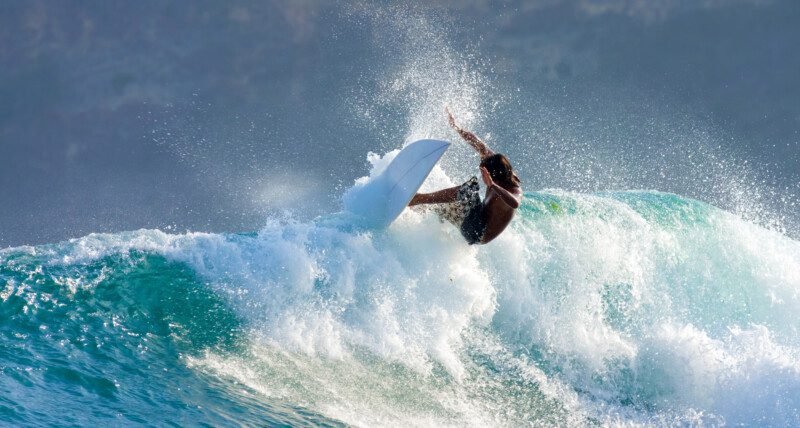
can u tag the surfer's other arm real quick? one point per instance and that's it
(511, 198)
(469, 137)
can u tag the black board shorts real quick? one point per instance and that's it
(466, 212)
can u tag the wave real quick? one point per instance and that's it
(618, 307)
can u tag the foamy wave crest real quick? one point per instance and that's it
(631, 307)
(654, 301)
(406, 294)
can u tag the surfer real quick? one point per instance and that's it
(479, 221)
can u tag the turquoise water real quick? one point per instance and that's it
(609, 308)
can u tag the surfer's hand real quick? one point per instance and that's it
(451, 120)
(469, 137)
(487, 178)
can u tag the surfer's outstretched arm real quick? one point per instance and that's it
(441, 197)
(469, 137)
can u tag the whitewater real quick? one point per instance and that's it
(608, 308)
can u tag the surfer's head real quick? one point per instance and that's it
(500, 169)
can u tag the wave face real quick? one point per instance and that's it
(610, 308)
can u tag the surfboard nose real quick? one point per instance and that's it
(381, 199)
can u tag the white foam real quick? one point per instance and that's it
(631, 309)
(686, 314)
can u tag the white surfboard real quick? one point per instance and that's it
(381, 200)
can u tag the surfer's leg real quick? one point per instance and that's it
(439, 197)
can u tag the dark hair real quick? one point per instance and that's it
(500, 169)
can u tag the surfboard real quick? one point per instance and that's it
(382, 199)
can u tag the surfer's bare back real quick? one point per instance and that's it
(479, 221)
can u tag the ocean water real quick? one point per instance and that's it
(613, 308)
(601, 305)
